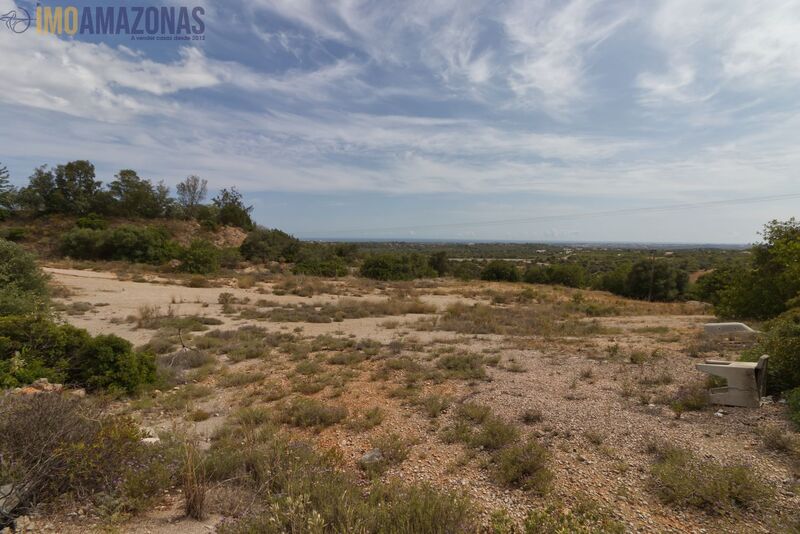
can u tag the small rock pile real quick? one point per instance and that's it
(43, 385)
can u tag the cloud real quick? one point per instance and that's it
(715, 47)
(550, 48)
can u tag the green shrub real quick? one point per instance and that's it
(396, 267)
(682, 479)
(302, 490)
(524, 466)
(584, 518)
(500, 271)
(781, 342)
(464, 366)
(263, 245)
(92, 222)
(19, 276)
(305, 412)
(124, 243)
(465, 270)
(494, 434)
(14, 234)
(332, 266)
(201, 257)
(82, 243)
(109, 362)
(793, 401)
(35, 347)
(230, 257)
(138, 244)
(565, 274)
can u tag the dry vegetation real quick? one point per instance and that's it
(349, 405)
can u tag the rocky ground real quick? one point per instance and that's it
(598, 398)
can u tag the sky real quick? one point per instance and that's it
(437, 119)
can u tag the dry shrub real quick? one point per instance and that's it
(682, 479)
(53, 444)
(194, 482)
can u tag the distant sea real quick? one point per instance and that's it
(577, 244)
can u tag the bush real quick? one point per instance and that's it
(781, 342)
(138, 244)
(494, 434)
(396, 267)
(682, 479)
(35, 347)
(302, 490)
(318, 261)
(201, 257)
(584, 518)
(263, 245)
(305, 412)
(109, 362)
(82, 243)
(14, 234)
(465, 270)
(565, 274)
(464, 366)
(124, 243)
(524, 466)
(500, 271)
(230, 257)
(53, 444)
(18, 270)
(92, 222)
(793, 401)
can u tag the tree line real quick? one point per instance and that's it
(74, 189)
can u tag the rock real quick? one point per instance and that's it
(151, 440)
(43, 384)
(370, 458)
(80, 393)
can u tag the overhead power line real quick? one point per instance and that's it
(569, 216)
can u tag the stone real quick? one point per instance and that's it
(370, 458)
(151, 440)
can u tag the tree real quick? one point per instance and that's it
(232, 210)
(653, 279)
(191, 193)
(771, 285)
(6, 193)
(135, 196)
(78, 189)
(438, 262)
(41, 195)
(500, 271)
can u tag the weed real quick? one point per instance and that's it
(524, 466)
(305, 412)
